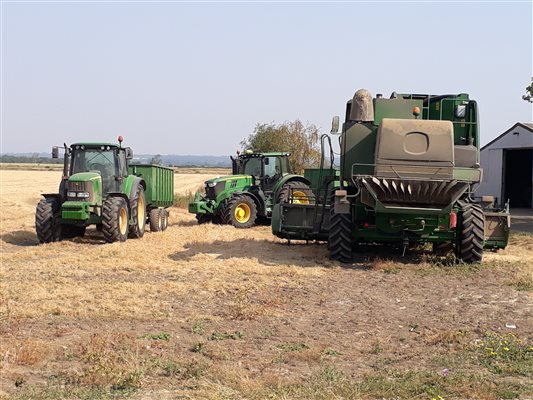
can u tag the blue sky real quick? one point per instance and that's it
(195, 78)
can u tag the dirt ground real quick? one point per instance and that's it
(213, 312)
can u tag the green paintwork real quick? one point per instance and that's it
(218, 190)
(159, 181)
(373, 220)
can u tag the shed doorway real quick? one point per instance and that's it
(518, 176)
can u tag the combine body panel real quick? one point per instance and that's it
(100, 188)
(409, 167)
(259, 180)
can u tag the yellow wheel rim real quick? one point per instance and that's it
(300, 197)
(141, 216)
(242, 213)
(123, 220)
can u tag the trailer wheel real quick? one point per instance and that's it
(115, 219)
(340, 236)
(470, 233)
(164, 219)
(240, 211)
(155, 220)
(138, 214)
(46, 221)
(296, 192)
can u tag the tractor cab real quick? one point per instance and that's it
(85, 161)
(268, 168)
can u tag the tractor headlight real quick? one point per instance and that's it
(71, 194)
(83, 195)
(211, 184)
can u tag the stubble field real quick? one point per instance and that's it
(213, 312)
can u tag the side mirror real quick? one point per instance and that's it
(335, 124)
(267, 161)
(55, 152)
(129, 153)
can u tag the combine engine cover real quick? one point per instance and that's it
(414, 166)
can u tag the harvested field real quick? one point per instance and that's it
(212, 312)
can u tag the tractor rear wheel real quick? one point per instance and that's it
(240, 211)
(470, 233)
(138, 214)
(46, 221)
(115, 219)
(155, 220)
(296, 192)
(340, 236)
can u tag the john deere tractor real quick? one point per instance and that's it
(408, 170)
(99, 187)
(258, 181)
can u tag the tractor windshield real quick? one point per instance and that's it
(252, 166)
(102, 161)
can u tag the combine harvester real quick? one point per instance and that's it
(258, 181)
(100, 187)
(408, 170)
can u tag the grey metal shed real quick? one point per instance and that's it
(507, 163)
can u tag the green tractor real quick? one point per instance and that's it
(100, 188)
(408, 170)
(258, 181)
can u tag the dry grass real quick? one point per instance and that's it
(84, 319)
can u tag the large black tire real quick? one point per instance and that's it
(240, 211)
(470, 233)
(138, 214)
(72, 231)
(300, 192)
(164, 219)
(155, 220)
(115, 219)
(46, 221)
(340, 236)
(203, 218)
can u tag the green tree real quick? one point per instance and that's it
(529, 92)
(156, 160)
(302, 141)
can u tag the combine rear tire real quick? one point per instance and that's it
(46, 225)
(340, 236)
(470, 233)
(115, 219)
(240, 211)
(296, 192)
(155, 220)
(138, 214)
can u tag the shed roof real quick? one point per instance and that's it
(526, 125)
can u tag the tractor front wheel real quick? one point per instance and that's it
(203, 218)
(115, 219)
(470, 233)
(240, 211)
(138, 214)
(340, 236)
(46, 221)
